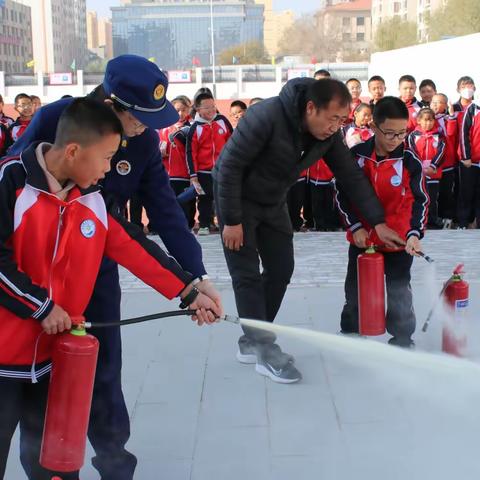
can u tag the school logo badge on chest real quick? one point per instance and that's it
(220, 131)
(123, 167)
(396, 181)
(88, 228)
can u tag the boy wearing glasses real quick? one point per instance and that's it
(396, 176)
(24, 107)
(206, 138)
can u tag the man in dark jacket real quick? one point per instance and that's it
(276, 140)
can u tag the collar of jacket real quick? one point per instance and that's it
(199, 119)
(35, 175)
(367, 148)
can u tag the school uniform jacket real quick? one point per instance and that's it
(413, 108)
(175, 160)
(17, 128)
(320, 174)
(205, 141)
(136, 169)
(4, 139)
(448, 126)
(470, 134)
(4, 120)
(355, 135)
(400, 186)
(50, 253)
(429, 147)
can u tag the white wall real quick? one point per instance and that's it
(444, 62)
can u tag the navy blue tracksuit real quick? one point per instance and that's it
(136, 168)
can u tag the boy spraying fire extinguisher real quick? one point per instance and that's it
(57, 224)
(396, 175)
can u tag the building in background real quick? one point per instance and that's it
(16, 49)
(416, 11)
(347, 24)
(274, 26)
(99, 36)
(59, 28)
(177, 34)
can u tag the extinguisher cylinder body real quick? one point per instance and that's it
(74, 361)
(371, 293)
(454, 338)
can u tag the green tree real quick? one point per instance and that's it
(395, 33)
(248, 53)
(96, 65)
(458, 17)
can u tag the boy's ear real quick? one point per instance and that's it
(71, 151)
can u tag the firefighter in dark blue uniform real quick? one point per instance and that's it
(136, 90)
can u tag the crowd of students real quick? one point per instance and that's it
(444, 135)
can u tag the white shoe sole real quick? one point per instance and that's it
(249, 359)
(267, 373)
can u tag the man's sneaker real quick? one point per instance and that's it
(447, 223)
(203, 231)
(278, 366)
(407, 343)
(247, 350)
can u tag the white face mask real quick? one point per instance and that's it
(467, 93)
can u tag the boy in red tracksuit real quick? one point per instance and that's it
(468, 208)
(447, 124)
(359, 130)
(296, 201)
(396, 175)
(407, 86)
(208, 134)
(428, 143)
(355, 88)
(50, 194)
(24, 107)
(322, 191)
(172, 146)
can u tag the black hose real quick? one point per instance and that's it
(144, 318)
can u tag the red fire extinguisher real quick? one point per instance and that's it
(74, 360)
(371, 292)
(454, 340)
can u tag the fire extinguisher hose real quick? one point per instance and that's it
(153, 316)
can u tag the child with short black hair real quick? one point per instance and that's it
(237, 111)
(36, 102)
(376, 88)
(447, 124)
(468, 206)
(396, 174)
(427, 89)
(466, 89)
(4, 120)
(359, 130)
(207, 136)
(172, 147)
(24, 107)
(428, 143)
(50, 193)
(407, 86)
(322, 73)
(355, 88)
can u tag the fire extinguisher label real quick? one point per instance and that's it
(461, 303)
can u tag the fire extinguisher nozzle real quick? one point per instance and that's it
(426, 257)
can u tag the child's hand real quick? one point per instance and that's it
(413, 246)
(57, 321)
(198, 188)
(360, 238)
(451, 110)
(429, 171)
(467, 163)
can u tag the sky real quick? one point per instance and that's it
(301, 6)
